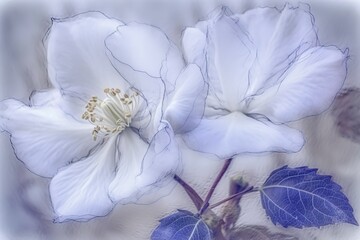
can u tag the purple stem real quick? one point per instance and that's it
(205, 205)
(194, 196)
(247, 190)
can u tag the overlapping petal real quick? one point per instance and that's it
(132, 150)
(70, 105)
(187, 105)
(230, 54)
(308, 89)
(280, 36)
(236, 133)
(145, 166)
(161, 162)
(194, 46)
(44, 137)
(150, 55)
(77, 60)
(80, 190)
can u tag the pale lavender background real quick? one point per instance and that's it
(25, 208)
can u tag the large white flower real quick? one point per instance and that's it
(264, 68)
(99, 132)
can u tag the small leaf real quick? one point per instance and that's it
(299, 197)
(231, 210)
(257, 233)
(182, 225)
(237, 184)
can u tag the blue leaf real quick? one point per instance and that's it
(299, 197)
(182, 225)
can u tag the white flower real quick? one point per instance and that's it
(99, 132)
(264, 68)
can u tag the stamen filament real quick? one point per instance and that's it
(113, 114)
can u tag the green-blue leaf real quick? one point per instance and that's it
(299, 197)
(182, 225)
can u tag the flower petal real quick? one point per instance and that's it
(132, 151)
(45, 97)
(308, 89)
(230, 54)
(161, 162)
(187, 105)
(236, 133)
(80, 190)
(70, 105)
(44, 137)
(171, 68)
(77, 58)
(280, 36)
(194, 43)
(144, 167)
(137, 51)
(146, 49)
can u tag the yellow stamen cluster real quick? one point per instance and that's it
(113, 114)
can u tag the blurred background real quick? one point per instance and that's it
(25, 208)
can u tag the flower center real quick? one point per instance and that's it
(113, 114)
